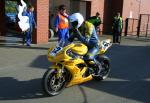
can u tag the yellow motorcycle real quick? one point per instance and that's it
(69, 67)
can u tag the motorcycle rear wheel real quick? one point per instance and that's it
(51, 85)
(104, 62)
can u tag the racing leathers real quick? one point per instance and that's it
(87, 35)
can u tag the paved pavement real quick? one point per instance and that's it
(21, 70)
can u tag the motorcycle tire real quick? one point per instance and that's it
(104, 61)
(51, 85)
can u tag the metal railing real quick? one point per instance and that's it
(131, 26)
(144, 25)
(138, 27)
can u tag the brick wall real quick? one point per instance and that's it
(130, 9)
(111, 7)
(98, 6)
(42, 18)
(133, 7)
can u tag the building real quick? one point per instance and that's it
(42, 19)
(107, 9)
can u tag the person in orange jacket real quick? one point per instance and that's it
(61, 24)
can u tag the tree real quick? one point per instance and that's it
(10, 6)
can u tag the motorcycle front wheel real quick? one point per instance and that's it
(104, 63)
(51, 84)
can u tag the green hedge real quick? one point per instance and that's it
(10, 6)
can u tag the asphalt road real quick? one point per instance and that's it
(21, 71)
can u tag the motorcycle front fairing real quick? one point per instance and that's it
(105, 44)
(59, 55)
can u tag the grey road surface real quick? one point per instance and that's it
(22, 68)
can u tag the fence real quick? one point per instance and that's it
(144, 25)
(138, 27)
(131, 26)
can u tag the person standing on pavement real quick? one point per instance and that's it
(96, 21)
(61, 24)
(117, 28)
(30, 14)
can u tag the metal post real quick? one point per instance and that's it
(139, 26)
(147, 26)
(126, 27)
(132, 26)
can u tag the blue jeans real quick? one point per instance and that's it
(63, 34)
(92, 52)
(29, 35)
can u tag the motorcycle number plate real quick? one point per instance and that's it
(55, 51)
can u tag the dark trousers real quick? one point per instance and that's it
(116, 36)
(23, 37)
(91, 53)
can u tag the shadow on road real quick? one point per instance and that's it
(141, 39)
(16, 42)
(12, 89)
(22, 47)
(40, 62)
(130, 71)
(138, 91)
(128, 78)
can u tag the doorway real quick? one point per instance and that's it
(83, 7)
(111, 7)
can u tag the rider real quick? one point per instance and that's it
(86, 33)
